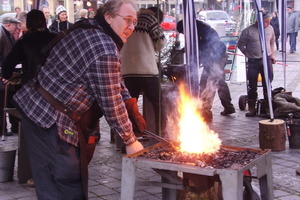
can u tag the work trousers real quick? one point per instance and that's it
(55, 164)
(255, 66)
(293, 41)
(150, 87)
(210, 82)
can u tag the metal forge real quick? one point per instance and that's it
(231, 179)
(195, 155)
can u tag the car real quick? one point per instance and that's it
(168, 23)
(218, 20)
(6, 15)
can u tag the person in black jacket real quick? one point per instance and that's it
(61, 23)
(28, 52)
(275, 24)
(28, 49)
(212, 57)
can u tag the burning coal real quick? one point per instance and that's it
(193, 142)
(223, 158)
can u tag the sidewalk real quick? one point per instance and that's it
(235, 130)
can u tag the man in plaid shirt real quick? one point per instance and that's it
(82, 68)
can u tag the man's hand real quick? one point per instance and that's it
(137, 120)
(5, 81)
(134, 147)
(273, 60)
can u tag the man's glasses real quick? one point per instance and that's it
(128, 20)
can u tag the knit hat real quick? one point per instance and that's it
(60, 9)
(266, 16)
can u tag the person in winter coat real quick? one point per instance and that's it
(83, 13)
(11, 27)
(28, 49)
(61, 23)
(139, 65)
(292, 27)
(45, 9)
(275, 24)
(250, 46)
(212, 57)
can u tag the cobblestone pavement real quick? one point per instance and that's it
(236, 130)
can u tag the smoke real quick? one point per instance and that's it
(170, 113)
(213, 58)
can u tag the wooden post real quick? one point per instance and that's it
(272, 134)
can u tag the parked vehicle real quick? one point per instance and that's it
(168, 23)
(219, 20)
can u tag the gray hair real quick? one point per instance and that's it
(22, 16)
(83, 12)
(112, 7)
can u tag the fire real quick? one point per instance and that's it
(194, 134)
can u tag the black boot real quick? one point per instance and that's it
(227, 111)
(251, 110)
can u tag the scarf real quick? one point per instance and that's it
(108, 30)
(61, 26)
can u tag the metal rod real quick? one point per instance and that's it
(288, 60)
(161, 139)
(4, 113)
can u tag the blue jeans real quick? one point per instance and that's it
(55, 164)
(293, 37)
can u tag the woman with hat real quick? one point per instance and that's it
(61, 23)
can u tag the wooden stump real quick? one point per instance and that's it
(272, 134)
(201, 187)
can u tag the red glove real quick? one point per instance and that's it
(137, 120)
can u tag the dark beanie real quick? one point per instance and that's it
(179, 26)
(35, 20)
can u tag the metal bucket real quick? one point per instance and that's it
(7, 163)
(294, 139)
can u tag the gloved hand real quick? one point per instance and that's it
(137, 120)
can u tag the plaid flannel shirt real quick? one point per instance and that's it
(82, 68)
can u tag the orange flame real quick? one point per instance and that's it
(194, 134)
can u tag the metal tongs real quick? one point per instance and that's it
(152, 135)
